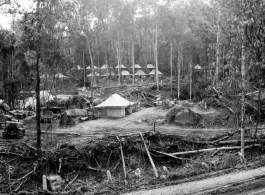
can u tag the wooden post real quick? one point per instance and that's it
(133, 63)
(150, 158)
(123, 162)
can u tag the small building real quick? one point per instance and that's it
(115, 106)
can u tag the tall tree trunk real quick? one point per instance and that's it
(38, 83)
(243, 74)
(84, 67)
(156, 68)
(218, 52)
(179, 71)
(190, 79)
(133, 63)
(92, 72)
(171, 66)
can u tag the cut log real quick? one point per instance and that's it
(170, 155)
(212, 149)
(150, 158)
(123, 162)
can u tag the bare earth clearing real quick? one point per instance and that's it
(140, 121)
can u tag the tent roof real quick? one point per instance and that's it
(150, 66)
(125, 73)
(96, 73)
(105, 66)
(88, 68)
(115, 100)
(197, 67)
(122, 66)
(153, 72)
(140, 72)
(136, 66)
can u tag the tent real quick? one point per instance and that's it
(57, 76)
(136, 66)
(114, 106)
(121, 65)
(140, 73)
(45, 96)
(105, 66)
(88, 68)
(150, 66)
(153, 72)
(125, 73)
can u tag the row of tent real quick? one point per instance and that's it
(105, 67)
(139, 73)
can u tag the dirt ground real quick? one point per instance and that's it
(141, 121)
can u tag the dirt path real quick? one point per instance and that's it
(207, 185)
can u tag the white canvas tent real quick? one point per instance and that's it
(121, 65)
(140, 73)
(105, 66)
(136, 66)
(88, 68)
(150, 66)
(45, 96)
(153, 72)
(114, 106)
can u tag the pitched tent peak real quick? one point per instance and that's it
(140, 72)
(197, 67)
(88, 68)
(136, 66)
(115, 100)
(150, 66)
(153, 72)
(122, 66)
(125, 73)
(104, 66)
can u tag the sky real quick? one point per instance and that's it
(6, 19)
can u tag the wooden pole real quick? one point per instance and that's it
(150, 158)
(92, 71)
(123, 162)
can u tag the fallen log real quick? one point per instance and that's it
(213, 149)
(237, 142)
(150, 158)
(170, 155)
(123, 162)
